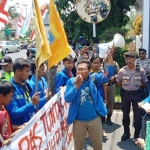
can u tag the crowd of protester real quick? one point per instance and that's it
(90, 89)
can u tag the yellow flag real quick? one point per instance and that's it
(43, 52)
(57, 37)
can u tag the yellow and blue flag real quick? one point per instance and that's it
(57, 37)
(43, 52)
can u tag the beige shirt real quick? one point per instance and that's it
(131, 80)
(145, 64)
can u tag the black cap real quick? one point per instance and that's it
(142, 49)
(130, 54)
(85, 43)
(5, 60)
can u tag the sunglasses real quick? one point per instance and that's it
(141, 53)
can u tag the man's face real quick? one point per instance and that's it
(41, 71)
(129, 61)
(142, 55)
(96, 64)
(8, 67)
(112, 49)
(82, 69)
(85, 56)
(23, 74)
(5, 100)
(69, 64)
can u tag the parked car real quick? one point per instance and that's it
(23, 45)
(8, 46)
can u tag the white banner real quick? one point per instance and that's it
(26, 24)
(47, 130)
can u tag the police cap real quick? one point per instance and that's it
(5, 60)
(142, 49)
(129, 54)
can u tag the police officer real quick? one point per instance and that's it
(130, 78)
(7, 74)
(145, 64)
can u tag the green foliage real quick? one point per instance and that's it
(74, 26)
(108, 34)
(119, 56)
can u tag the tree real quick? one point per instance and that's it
(137, 24)
(75, 26)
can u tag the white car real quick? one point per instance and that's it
(8, 46)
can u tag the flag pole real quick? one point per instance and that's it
(48, 77)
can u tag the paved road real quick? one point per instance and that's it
(22, 54)
(114, 133)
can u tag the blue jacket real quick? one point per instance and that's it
(61, 79)
(100, 78)
(72, 96)
(20, 108)
(41, 88)
(146, 100)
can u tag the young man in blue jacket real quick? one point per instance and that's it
(42, 85)
(86, 106)
(23, 105)
(63, 76)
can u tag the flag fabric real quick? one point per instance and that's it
(57, 37)
(26, 24)
(4, 5)
(43, 12)
(42, 46)
(19, 26)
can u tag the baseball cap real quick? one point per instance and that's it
(129, 54)
(5, 60)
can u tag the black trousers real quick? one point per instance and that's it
(127, 100)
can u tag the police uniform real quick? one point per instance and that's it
(145, 64)
(131, 80)
(6, 76)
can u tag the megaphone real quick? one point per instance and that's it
(118, 41)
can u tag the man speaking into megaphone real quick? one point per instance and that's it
(104, 48)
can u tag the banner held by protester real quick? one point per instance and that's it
(47, 130)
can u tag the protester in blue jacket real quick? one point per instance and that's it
(86, 107)
(63, 76)
(23, 105)
(42, 85)
(98, 74)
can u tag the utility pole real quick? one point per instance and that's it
(146, 26)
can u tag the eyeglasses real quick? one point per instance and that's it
(81, 70)
(141, 53)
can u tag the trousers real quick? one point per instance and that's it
(127, 100)
(94, 129)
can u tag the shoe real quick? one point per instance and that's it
(125, 136)
(134, 140)
(104, 134)
(109, 122)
